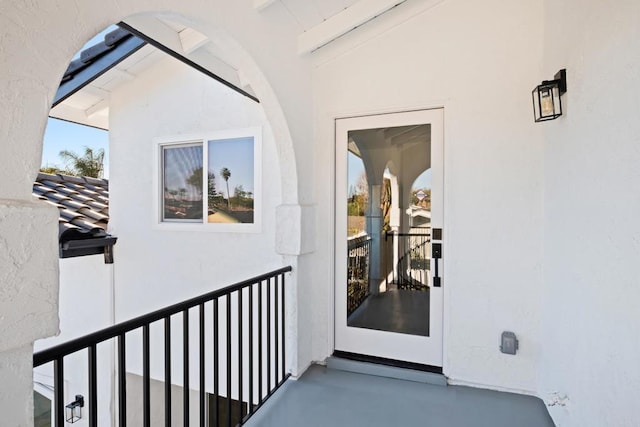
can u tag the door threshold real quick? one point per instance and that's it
(389, 368)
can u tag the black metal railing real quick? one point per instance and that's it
(249, 315)
(412, 268)
(358, 262)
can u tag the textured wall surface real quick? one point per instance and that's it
(575, 317)
(37, 41)
(28, 257)
(454, 55)
(182, 261)
(589, 368)
(16, 392)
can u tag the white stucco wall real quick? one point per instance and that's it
(159, 266)
(478, 60)
(28, 295)
(86, 305)
(592, 200)
(37, 41)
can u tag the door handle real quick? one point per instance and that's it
(436, 254)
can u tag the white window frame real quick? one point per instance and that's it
(203, 139)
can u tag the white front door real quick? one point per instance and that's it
(389, 220)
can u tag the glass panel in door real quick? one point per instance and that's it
(386, 304)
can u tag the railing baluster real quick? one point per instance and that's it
(228, 341)
(167, 371)
(250, 406)
(202, 367)
(122, 381)
(260, 341)
(270, 356)
(216, 362)
(58, 386)
(146, 381)
(276, 331)
(93, 385)
(284, 369)
(185, 367)
(240, 356)
(268, 335)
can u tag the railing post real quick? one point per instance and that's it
(270, 356)
(216, 362)
(58, 386)
(202, 367)
(185, 367)
(240, 355)
(146, 381)
(93, 386)
(268, 335)
(122, 381)
(251, 379)
(284, 361)
(167, 371)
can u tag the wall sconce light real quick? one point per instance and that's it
(73, 411)
(547, 104)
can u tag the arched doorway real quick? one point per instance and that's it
(34, 74)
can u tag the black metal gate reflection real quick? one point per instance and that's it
(412, 268)
(358, 262)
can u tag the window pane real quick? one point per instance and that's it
(230, 191)
(41, 410)
(182, 180)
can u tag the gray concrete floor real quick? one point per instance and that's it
(396, 310)
(324, 397)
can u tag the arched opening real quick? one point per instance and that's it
(148, 97)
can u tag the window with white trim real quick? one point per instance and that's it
(212, 180)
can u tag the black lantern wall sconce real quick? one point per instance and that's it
(547, 102)
(73, 411)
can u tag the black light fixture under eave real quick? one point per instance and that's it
(73, 411)
(547, 102)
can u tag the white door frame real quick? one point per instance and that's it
(435, 357)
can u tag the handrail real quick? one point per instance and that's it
(259, 324)
(52, 353)
(358, 242)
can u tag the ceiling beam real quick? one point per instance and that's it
(122, 74)
(184, 59)
(79, 116)
(97, 108)
(262, 4)
(191, 40)
(342, 23)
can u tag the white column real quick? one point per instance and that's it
(374, 229)
(28, 299)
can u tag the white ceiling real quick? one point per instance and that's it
(90, 106)
(320, 21)
(309, 13)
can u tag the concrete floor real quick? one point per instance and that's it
(325, 397)
(396, 310)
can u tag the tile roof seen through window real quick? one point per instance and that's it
(83, 203)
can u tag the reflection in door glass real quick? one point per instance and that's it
(389, 229)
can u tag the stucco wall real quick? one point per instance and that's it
(158, 266)
(589, 368)
(479, 60)
(37, 41)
